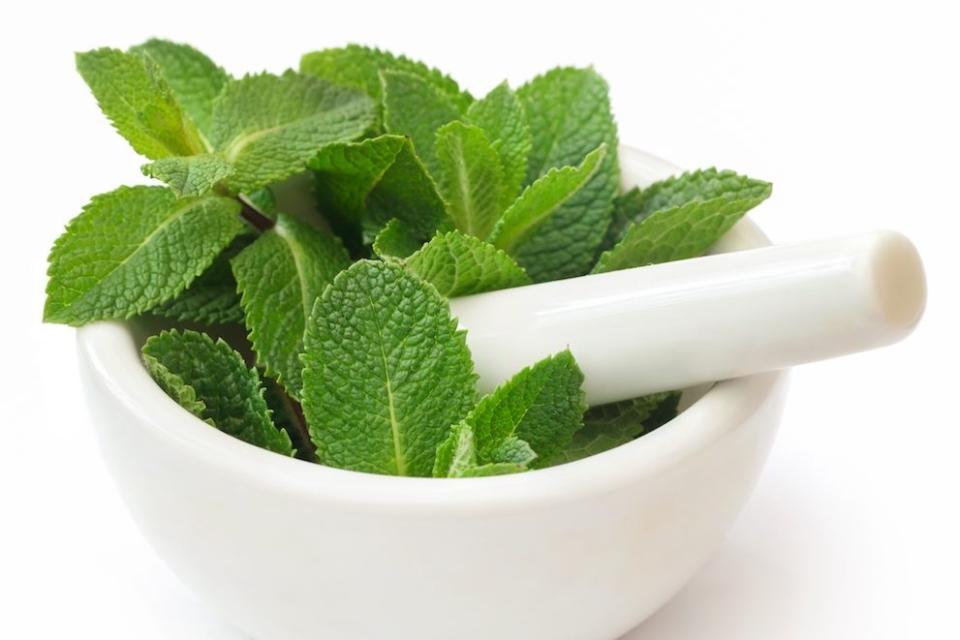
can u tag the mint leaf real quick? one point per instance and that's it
(212, 298)
(470, 178)
(194, 79)
(132, 93)
(568, 112)
(231, 394)
(386, 372)
(541, 201)
(280, 276)
(268, 126)
(502, 118)
(375, 181)
(457, 456)
(682, 217)
(358, 66)
(542, 405)
(286, 416)
(174, 386)
(190, 175)
(133, 248)
(415, 108)
(461, 265)
(396, 240)
(611, 425)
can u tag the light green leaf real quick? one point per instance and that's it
(611, 425)
(502, 118)
(231, 394)
(386, 372)
(470, 178)
(542, 200)
(542, 405)
(212, 298)
(193, 77)
(359, 67)
(268, 126)
(682, 217)
(461, 265)
(396, 240)
(174, 386)
(568, 112)
(132, 93)
(377, 180)
(457, 456)
(415, 108)
(280, 276)
(189, 175)
(132, 249)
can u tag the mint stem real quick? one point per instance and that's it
(250, 214)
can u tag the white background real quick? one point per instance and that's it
(851, 110)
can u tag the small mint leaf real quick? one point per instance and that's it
(682, 218)
(470, 178)
(280, 276)
(194, 79)
(133, 94)
(396, 240)
(502, 118)
(132, 249)
(231, 394)
(457, 456)
(386, 372)
(189, 175)
(174, 386)
(268, 126)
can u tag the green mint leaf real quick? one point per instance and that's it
(470, 178)
(542, 405)
(132, 93)
(682, 217)
(174, 386)
(611, 425)
(359, 67)
(627, 208)
(396, 240)
(189, 175)
(541, 201)
(460, 265)
(231, 394)
(212, 298)
(386, 372)
(268, 126)
(457, 456)
(193, 77)
(502, 118)
(133, 248)
(375, 181)
(568, 112)
(415, 108)
(264, 201)
(286, 416)
(280, 276)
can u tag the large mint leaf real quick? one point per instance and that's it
(231, 394)
(375, 181)
(457, 456)
(134, 248)
(542, 201)
(360, 67)
(268, 126)
(132, 93)
(682, 217)
(189, 175)
(212, 298)
(611, 425)
(415, 108)
(194, 78)
(386, 372)
(470, 178)
(502, 118)
(543, 405)
(568, 112)
(461, 265)
(280, 276)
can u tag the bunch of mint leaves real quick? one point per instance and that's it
(332, 212)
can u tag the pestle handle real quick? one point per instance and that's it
(679, 324)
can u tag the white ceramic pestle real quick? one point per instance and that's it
(689, 322)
